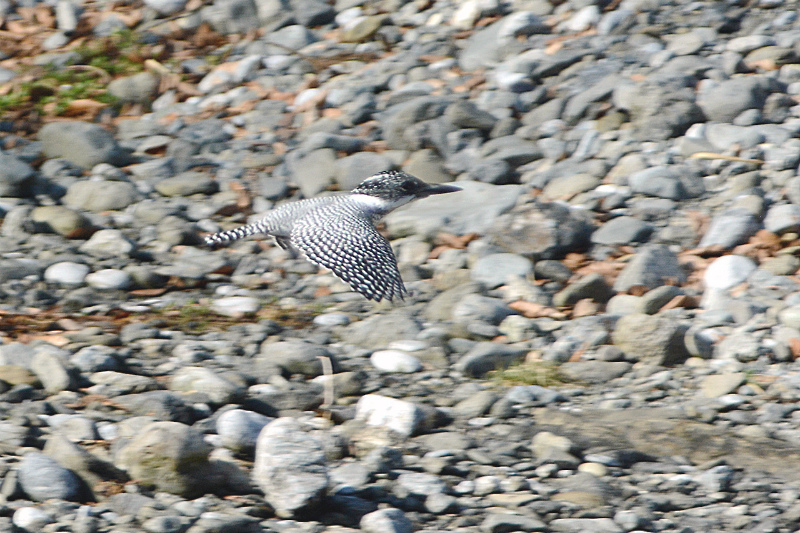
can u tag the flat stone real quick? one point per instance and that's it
(82, 143)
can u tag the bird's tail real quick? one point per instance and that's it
(225, 237)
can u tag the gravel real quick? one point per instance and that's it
(625, 245)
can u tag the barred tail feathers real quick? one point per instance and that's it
(225, 237)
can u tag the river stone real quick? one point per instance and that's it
(98, 196)
(186, 184)
(219, 390)
(170, 456)
(16, 176)
(62, 220)
(82, 143)
(42, 478)
(139, 88)
(290, 467)
(66, 273)
(651, 339)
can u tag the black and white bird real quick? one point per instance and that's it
(338, 232)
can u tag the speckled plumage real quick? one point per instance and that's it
(338, 232)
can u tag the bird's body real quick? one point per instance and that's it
(338, 232)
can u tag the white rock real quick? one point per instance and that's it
(66, 273)
(165, 7)
(398, 415)
(109, 278)
(239, 429)
(108, 243)
(395, 361)
(465, 17)
(31, 519)
(584, 19)
(728, 271)
(236, 306)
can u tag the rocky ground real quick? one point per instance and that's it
(626, 243)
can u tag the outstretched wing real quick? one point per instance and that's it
(347, 243)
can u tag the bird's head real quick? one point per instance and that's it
(397, 187)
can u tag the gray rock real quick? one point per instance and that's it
(159, 404)
(239, 429)
(42, 478)
(717, 385)
(488, 356)
(290, 467)
(465, 114)
(108, 243)
(429, 164)
(662, 106)
(472, 210)
(187, 184)
(474, 307)
(140, 88)
(622, 230)
(171, 457)
(355, 168)
(100, 196)
(652, 339)
(378, 331)
(652, 267)
(593, 525)
(82, 143)
(723, 101)
(50, 366)
(399, 120)
(494, 270)
(508, 522)
(219, 390)
(566, 187)
(662, 182)
(476, 405)
(386, 521)
(16, 176)
(782, 219)
(730, 228)
(96, 359)
(594, 371)
(419, 484)
(293, 357)
(61, 220)
(542, 230)
(592, 286)
(657, 298)
(726, 136)
(315, 171)
(232, 16)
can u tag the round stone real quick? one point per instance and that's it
(395, 361)
(110, 279)
(66, 273)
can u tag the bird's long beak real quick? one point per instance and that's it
(440, 189)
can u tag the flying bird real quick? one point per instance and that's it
(338, 232)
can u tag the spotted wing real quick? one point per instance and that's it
(348, 244)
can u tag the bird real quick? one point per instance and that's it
(338, 232)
